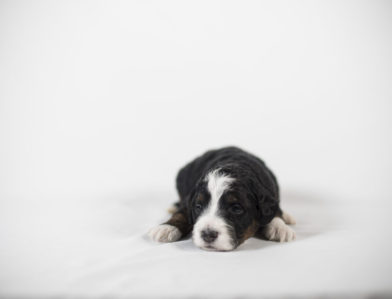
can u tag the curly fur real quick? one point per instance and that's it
(248, 183)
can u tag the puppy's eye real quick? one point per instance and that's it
(198, 208)
(236, 209)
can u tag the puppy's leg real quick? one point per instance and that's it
(173, 208)
(278, 230)
(172, 230)
(287, 218)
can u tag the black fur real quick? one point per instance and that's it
(255, 190)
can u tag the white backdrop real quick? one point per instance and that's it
(107, 100)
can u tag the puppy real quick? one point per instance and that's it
(226, 196)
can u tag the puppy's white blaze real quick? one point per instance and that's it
(217, 184)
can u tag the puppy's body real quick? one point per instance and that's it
(226, 196)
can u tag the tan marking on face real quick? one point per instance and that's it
(249, 232)
(232, 199)
(200, 198)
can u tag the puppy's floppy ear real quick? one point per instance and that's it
(267, 208)
(267, 204)
(189, 207)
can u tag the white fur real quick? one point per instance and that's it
(172, 209)
(288, 218)
(165, 233)
(217, 184)
(278, 231)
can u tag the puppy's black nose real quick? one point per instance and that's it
(209, 235)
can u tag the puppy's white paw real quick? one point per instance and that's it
(172, 209)
(165, 233)
(278, 231)
(288, 219)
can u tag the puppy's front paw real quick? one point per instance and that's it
(278, 231)
(288, 219)
(165, 233)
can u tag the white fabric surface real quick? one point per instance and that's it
(102, 102)
(98, 248)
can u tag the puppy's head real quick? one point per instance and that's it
(226, 211)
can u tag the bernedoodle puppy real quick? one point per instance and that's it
(226, 196)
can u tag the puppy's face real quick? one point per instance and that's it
(223, 213)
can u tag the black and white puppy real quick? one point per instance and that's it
(226, 196)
